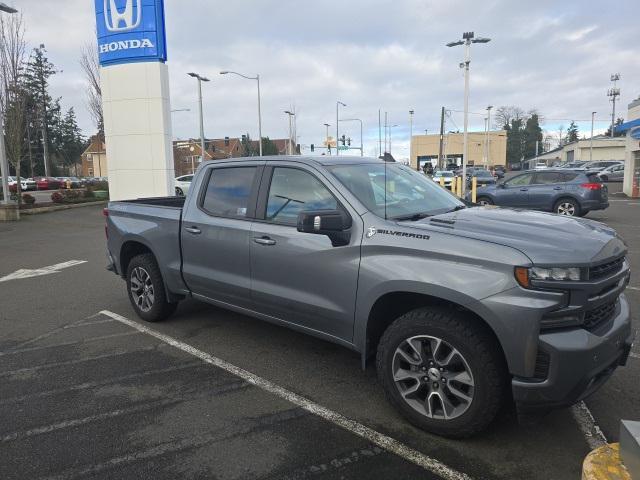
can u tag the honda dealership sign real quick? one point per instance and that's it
(130, 31)
(136, 105)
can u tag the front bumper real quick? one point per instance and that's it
(579, 362)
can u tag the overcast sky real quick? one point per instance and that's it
(555, 57)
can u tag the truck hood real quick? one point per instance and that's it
(547, 239)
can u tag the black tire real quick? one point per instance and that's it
(179, 192)
(159, 308)
(487, 200)
(481, 353)
(567, 205)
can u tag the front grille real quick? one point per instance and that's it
(599, 315)
(605, 269)
(541, 371)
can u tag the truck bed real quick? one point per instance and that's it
(175, 202)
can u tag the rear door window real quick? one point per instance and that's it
(546, 178)
(520, 180)
(228, 191)
(567, 177)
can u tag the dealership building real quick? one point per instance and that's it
(631, 128)
(425, 148)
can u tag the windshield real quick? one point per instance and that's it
(407, 192)
(444, 174)
(482, 173)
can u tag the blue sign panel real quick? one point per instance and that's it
(130, 31)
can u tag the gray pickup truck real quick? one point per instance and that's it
(463, 306)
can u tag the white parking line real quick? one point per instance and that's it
(28, 273)
(633, 288)
(381, 440)
(634, 355)
(588, 426)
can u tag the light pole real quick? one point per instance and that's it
(327, 138)
(291, 114)
(614, 93)
(390, 127)
(257, 79)
(356, 120)
(489, 134)
(593, 114)
(467, 39)
(200, 80)
(338, 103)
(411, 137)
(4, 165)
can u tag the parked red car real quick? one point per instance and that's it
(47, 183)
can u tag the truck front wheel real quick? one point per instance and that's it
(443, 373)
(146, 289)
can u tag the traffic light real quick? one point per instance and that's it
(343, 139)
(349, 141)
(313, 147)
(226, 141)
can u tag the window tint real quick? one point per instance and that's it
(228, 191)
(293, 191)
(567, 177)
(520, 180)
(546, 178)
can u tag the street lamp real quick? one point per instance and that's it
(338, 103)
(356, 120)
(467, 39)
(291, 114)
(4, 165)
(593, 114)
(488, 153)
(327, 138)
(411, 137)
(257, 79)
(200, 80)
(390, 127)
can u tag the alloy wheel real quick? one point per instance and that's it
(142, 289)
(566, 208)
(433, 377)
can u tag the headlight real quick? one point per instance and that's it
(524, 275)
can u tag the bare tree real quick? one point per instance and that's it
(13, 97)
(506, 114)
(91, 68)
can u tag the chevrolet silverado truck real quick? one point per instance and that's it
(463, 307)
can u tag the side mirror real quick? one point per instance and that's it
(335, 224)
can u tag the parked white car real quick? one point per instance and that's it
(26, 184)
(182, 184)
(444, 174)
(541, 166)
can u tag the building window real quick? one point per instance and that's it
(90, 172)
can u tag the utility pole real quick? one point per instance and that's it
(379, 134)
(291, 114)
(467, 39)
(486, 142)
(411, 140)
(200, 79)
(327, 139)
(614, 93)
(593, 114)
(4, 164)
(489, 134)
(338, 103)
(441, 146)
(386, 126)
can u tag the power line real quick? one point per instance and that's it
(545, 118)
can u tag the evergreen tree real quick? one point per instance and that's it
(572, 132)
(619, 121)
(268, 147)
(41, 109)
(532, 134)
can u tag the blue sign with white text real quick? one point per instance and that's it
(130, 31)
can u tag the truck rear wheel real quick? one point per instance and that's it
(444, 374)
(146, 289)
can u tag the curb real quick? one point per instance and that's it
(604, 463)
(55, 208)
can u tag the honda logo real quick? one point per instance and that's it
(122, 20)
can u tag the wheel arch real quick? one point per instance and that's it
(565, 196)
(391, 305)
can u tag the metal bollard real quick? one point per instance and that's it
(454, 181)
(474, 188)
(459, 187)
(442, 181)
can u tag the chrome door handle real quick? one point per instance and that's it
(557, 188)
(194, 230)
(264, 240)
(524, 189)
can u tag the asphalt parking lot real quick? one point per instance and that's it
(89, 391)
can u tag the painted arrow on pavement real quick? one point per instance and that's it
(28, 273)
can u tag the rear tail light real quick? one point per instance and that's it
(591, 186)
